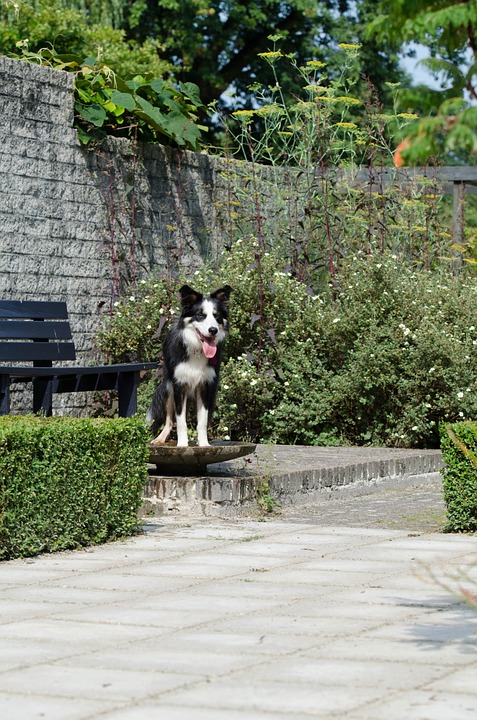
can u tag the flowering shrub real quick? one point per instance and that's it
(380, 360)
(383, 363)
(314, 184)
(131, 331)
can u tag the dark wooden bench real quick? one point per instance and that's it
(39, 332)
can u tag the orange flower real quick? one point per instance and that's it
(397, 157)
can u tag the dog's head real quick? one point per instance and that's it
(207, 316)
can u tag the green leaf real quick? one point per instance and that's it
(151, 114)
(192, 91)
(182, 129)
(157, 85)
(94, 114)
(84, 94)
(124, 100)
(83, 136)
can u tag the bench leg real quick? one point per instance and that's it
(127, 393)
(4, 395)
(42, 396)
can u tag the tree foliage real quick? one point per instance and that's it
(214, 43)
(65, 29)
(448, 28)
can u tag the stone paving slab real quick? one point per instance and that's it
(419, 507)
(208, 619)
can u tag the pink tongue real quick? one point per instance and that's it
(209, 348)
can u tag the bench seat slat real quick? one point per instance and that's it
(34, 330)
(17, 371)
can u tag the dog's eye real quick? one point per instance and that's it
(200, 316)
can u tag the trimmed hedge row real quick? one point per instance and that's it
(68, 482)
(459, 449)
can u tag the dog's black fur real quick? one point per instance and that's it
(191, 353)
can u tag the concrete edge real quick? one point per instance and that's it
(260, 492)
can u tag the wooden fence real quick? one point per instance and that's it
(455, 181)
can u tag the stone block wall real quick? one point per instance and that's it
(75, 224)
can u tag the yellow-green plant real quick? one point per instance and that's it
(318, 183)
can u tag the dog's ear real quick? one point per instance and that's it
(189, 296)
(223, 294)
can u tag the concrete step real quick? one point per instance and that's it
(279, 475)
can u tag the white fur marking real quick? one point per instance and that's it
(194, 372)
(202, 422)
(203, 326)
(182, 439)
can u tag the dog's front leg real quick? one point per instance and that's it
(202, 421)
(181, 419)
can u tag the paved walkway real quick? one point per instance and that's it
(328, 613)
(418, 508)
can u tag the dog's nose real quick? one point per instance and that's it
(213, 331)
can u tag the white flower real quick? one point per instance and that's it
(414, 427)
(460, 394)
(461, 414)
(336, 320)
(253, 382)
(132, 298)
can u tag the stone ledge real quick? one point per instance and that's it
(290, 476)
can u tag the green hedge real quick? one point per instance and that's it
(67, 482)
(459, 449)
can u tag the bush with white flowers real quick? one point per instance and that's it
(380, 359)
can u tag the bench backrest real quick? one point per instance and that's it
(35, 331)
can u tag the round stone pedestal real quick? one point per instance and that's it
(193, 460)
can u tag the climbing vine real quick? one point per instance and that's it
(142, 107)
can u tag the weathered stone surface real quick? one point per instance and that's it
(291, 476)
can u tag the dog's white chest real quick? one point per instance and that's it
(194, 372)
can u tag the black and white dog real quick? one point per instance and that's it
(192, 350)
